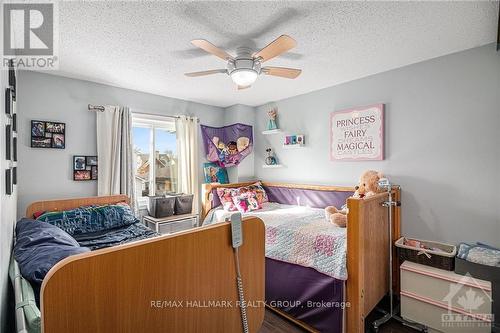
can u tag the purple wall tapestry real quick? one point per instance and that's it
(229, 145)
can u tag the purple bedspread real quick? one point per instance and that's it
(305, 294)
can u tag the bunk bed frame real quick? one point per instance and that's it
(367, 244)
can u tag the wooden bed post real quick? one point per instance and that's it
(367, 258)
(354, 312)
(206, 201)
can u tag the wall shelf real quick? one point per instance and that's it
(273, 166)
(295, 146)
(270, 132)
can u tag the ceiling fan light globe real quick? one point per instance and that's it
(244, 77)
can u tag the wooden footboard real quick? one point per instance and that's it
(367, 256)
(177, 283)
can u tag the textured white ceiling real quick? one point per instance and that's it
(145, 45)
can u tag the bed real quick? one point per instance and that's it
(293, 281)
(142, 287)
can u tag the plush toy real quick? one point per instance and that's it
(232, 148)
(242, 143)
(368, 186)
(335, 216)
(221, 146)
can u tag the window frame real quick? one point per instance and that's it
(151, 122)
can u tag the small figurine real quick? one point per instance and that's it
(270, 159)
(272, 114)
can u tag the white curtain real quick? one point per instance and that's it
(115, 153)
(187, 155)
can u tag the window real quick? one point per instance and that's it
(155, 155)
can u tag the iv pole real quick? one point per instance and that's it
(386, 185)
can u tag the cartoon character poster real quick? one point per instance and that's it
(215, 174)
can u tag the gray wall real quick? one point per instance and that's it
(47, 173)
(442, 142)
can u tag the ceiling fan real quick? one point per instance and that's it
(247, 65)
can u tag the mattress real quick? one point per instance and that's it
(298, 235)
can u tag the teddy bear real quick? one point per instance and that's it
(367, 187)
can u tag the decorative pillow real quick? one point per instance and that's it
(226, 195)
(260, 192)
(246, 202)
(91, 218)
(226, 198)
(39, 246)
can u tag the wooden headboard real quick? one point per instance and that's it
(67, 204)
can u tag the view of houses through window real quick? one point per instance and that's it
(155, 155)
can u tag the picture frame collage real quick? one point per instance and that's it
(48, 134)
(84, 168)
(11, 131)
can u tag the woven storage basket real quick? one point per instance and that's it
(442, 260)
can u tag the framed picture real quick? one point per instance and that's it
(52, 127)
(94, 172)
(8, 141)
(41, 142)
(37, 128)
(82, 175)
(14, 149)
(12, 75)
(8, 182)
(300, 139)
(79, 163)
(48, 134)
(215, 174)
(58, 141)
(91, 160)
(84, 167)
(9, 101)
(357, 134)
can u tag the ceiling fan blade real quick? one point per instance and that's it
(203, 73)
(278, 46)
(243, 87)
(211, 48)
(289, 73)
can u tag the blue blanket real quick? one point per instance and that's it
(120, 235)
(42, 243)
(39, 246)
(97, 227)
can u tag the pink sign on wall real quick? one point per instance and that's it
(357, 134)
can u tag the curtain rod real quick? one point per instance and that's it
(101, 108)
